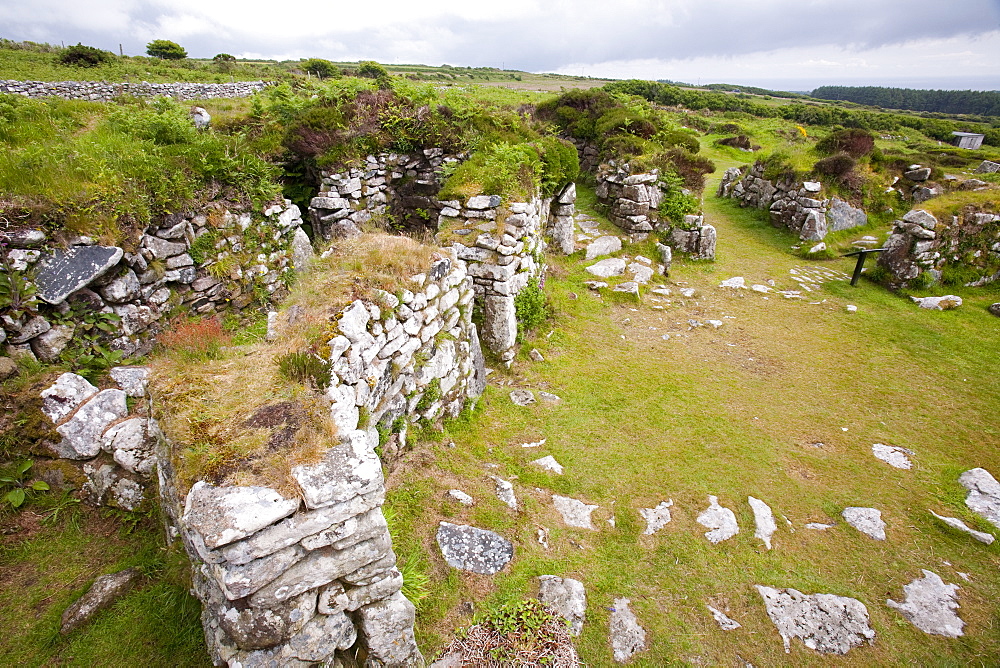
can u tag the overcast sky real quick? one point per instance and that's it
(789, 44)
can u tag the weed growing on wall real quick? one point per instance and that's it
(531, 308)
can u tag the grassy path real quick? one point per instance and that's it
(783, 402)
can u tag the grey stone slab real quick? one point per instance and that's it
(956, 523)
(656, 518)
(66, 271)
(866, 520)
(721, 521)
(575, 513)
(824, 622)
(723, 620)
(930, 605)
(764, 520)
(984, 493)
(624, 633)
(565, 597)
(222, 515)
(347, 470)
(893, 455)
(322, 636)
(387, 629)
(103, 593)
(472, 549)
(69, 391)
(81, 434)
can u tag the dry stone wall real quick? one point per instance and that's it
(104, 92)
(196, 262)
(924, 249)
(293, 579)
(799, 207)
(633, 200)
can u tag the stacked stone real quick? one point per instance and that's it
(559, 228)
(921, 244)
(633, 199)
(291, 582)
(694, 237)
(142, 287)
(102, 91)
(792, 205)
(402, 184)
(588, 154)
(414, 355)
(110, 451)
(502, 259)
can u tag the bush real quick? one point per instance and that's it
(675, 203)
(305, 367)
(369, 69)
(320, 68)
(531, 308)
(166, 50)
(836, 166)
(852, 141)
(84, 56)
(560, 164)
(224, 61)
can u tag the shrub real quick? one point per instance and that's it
(166, 50)
(84, 56)
(369, 69)
(560, 164)
(855, 142)
(531, 308)
(836, 166)
(224, 61)
(304, 367)
(675, 203)
(777, 166)
(320, 68)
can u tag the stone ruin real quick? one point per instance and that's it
(103, 91)
(798, 207)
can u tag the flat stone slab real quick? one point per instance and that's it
(624, 633)
(471, 549)
(824, 622)
(62, 398)
(721, 521)
(764, 519)
(348, 469)
(106, 590)
(656, 518)
(565, 597)
(956, 523)
(603, 246)
(461, 497)
(612, 266)
(945, 303)
(866, 520)
(66, 271)
(930, 605)
(724, 621)
(984, 493)
(81, 434)
(893, 455)
(550, 464)
(222, 515)
(131, 379)
(522, 397)
(736, 282)
(574, 513)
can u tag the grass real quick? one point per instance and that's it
(732, 412)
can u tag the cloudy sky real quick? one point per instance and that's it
(789, 44)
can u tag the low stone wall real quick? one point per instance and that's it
(504, 256)
(105, 92)
(295, 581)
(923, 248)
(633, 200)
(197, 263)
(799, 207)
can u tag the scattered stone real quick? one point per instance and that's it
(994, 309)
(930, 606)
(640, 272)
(602, 246)
(66, 271)
(656, 518)
(688, 292)
(106, 590)
(62, 398)
(824, 622)
(984, 493)
(536, 444)
(851, 308)
(945, 303)
(471, 549)
(542, 534)
(818, 248)
(549, 463)
(565, 597)
(737, 282)
(48, 345)
(715, 323)
(612, 266)
(724, 622)
(549, 398)
(630, 287)
(819, 526)
(624, 632)
(721, 521)
(764, 519)
(461, 497)
(764, 289)
(893, 455)
(505, 492)
(522, 397)
(596, 285)
(574, 513)
(8, 368)
(536, 356)
(866, 520)
(956, 523)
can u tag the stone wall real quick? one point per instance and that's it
(799, 207)
(104, 92)
(291, 579)
(632, 201)
(193, 262)
(923, 249)
(506, 254)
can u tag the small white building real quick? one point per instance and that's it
(968, 140)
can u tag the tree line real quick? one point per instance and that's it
(983, 103)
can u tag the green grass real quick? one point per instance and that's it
(643, 420)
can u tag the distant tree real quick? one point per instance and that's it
(224, 61)
(321, 68)
(165, 49)
(84, 56)
(372, 70)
